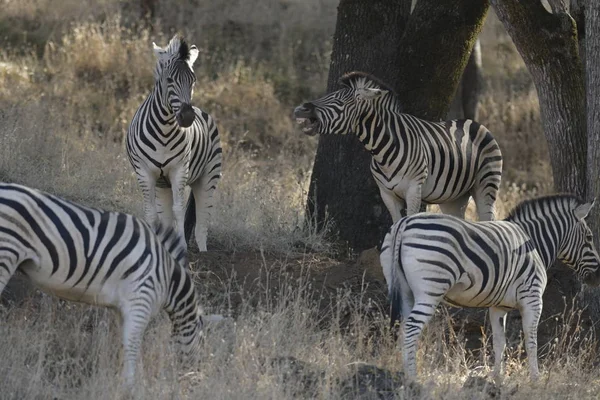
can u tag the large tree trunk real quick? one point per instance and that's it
(549, 46)
(592, 62)
(548, 43)
(342, 188)
(468, 94)
(423, 63)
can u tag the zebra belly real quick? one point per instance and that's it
(459, 297)
(433, 191)
(103, 295)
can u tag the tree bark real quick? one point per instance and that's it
(548, 44)
(422, 62)
(433, 53)
(342, 189)
(468, 94)
(592, 43)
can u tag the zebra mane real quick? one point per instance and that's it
(179, 46)
(543, 202)
(172, 242)
(355, 75)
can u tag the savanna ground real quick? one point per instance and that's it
(308, 315)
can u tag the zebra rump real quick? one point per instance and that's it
(430, 258)
(389, 259)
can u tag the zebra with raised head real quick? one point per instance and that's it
(172, 144)
(102, 258)
(413, 160)
(430, 258)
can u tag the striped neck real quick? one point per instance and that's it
(547, 223)
(161, 109)
(380, 128)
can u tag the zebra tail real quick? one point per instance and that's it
(391, 264)
(189, 222)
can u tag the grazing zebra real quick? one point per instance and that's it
(103, 258)
(172, 144)
(501, 265)
(413, 160)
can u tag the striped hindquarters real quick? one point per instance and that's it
(470, 264)
(462, 156)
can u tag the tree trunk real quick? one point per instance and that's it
(466, 100)
(423, 63)
(549, 46)
(433, 53)
(592, 43)
(342, 189)
(548, 43)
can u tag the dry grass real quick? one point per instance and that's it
(71, 77)
(76, 349)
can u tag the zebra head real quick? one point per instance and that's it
(578, 250)
(339, 112)
(174, 74)
(189, 339)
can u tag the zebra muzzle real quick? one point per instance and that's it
(306, 118)
(186, 116)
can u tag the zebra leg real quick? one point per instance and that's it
(178, 183)
(164, 198)
(393, 203)
(457, 207)
(135, 320)
(498, 322)
(204, 200)
(530, 313)
(485, 195)
(8, 266)
(413, 199)
(148, 185)
(422, 312)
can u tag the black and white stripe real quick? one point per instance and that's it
(172, 144)
(414, 160)
(501, 265)
(103, 258)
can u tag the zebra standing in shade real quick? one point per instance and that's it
(103, 258)
(413, 160)
(172, 144)
(501, 265)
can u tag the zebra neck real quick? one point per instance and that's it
(547, 236)
(160, 107)
(383, 132)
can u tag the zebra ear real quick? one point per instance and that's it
(369, 93)
(582, 211)
(159, 52)
(193, 55)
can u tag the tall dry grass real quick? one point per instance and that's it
(284, 346)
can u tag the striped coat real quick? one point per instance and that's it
(413, 160)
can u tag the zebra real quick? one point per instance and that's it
(171, 144)
(413, 160)
(102, 258)
(430, 258)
